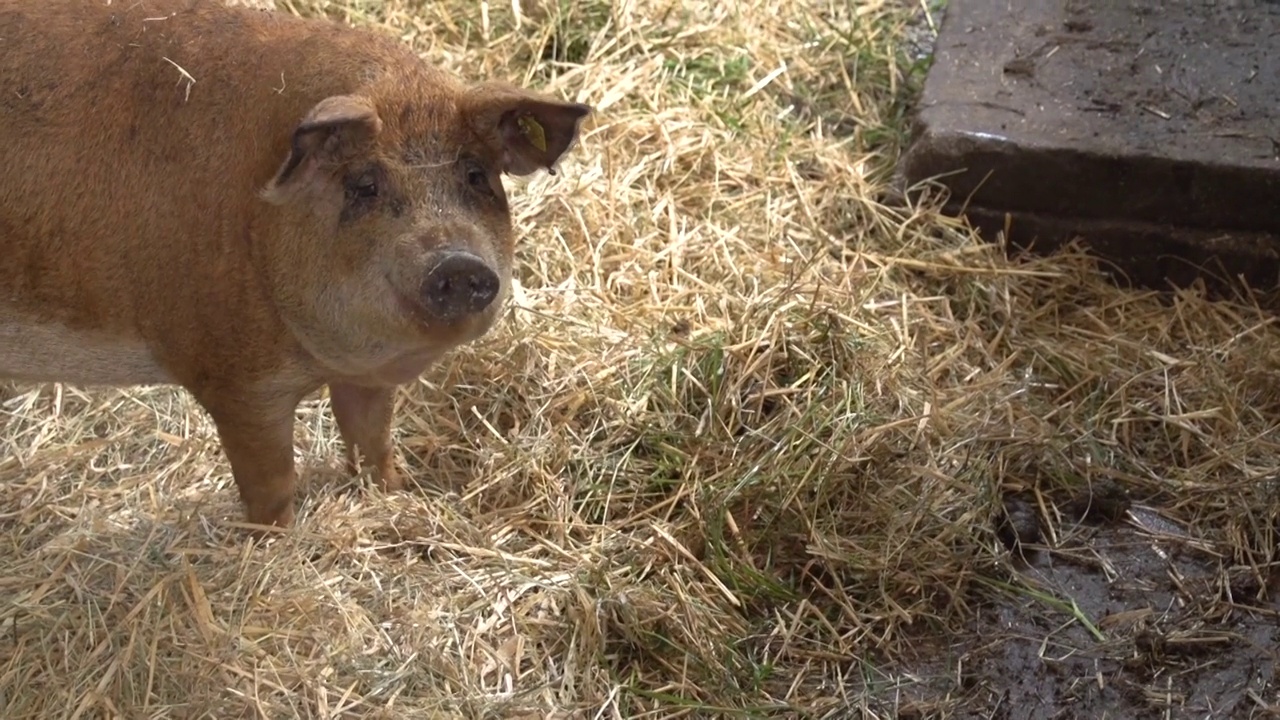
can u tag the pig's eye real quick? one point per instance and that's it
(478, 179)
(364, 189)
(362, 193)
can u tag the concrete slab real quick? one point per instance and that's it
(1151, 128)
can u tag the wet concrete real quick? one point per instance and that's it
(1148, 128)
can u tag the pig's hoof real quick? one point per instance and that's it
(351, 463)
(391, 482)
(278, 514)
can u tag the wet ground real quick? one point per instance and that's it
(1147, 128)
(1134, 619)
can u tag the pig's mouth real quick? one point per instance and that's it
(430, 325)
(414, 310)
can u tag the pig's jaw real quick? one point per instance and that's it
(375, 365)
(403, 369)
(394, 342)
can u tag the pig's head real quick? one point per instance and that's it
(392, 238)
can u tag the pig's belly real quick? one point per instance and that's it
(32, 351)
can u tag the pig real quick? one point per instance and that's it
(252, 206)
(258, 4)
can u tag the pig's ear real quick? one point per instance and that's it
(335, 129)
(530, 130)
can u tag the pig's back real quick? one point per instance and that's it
(137, 137)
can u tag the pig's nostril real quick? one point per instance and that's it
(483, 287)
(459, 284)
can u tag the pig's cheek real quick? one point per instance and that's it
(377, 298)
(395, 259)
(383, 286)
(362, 291)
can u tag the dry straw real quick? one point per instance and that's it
(740, 439)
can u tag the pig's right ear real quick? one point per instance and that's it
(529, 129)
(335, 130)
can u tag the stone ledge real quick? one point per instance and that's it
(1150, 128)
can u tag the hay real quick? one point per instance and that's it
(743, 436)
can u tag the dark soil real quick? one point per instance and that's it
(1183, 635)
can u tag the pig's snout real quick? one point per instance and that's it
(458, 284)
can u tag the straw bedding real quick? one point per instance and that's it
(742, 438)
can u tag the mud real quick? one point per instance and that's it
(1179, 634)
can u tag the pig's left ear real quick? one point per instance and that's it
(530, 130)
(334, 130)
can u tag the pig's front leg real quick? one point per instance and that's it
(364, 421)
(257, 438)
